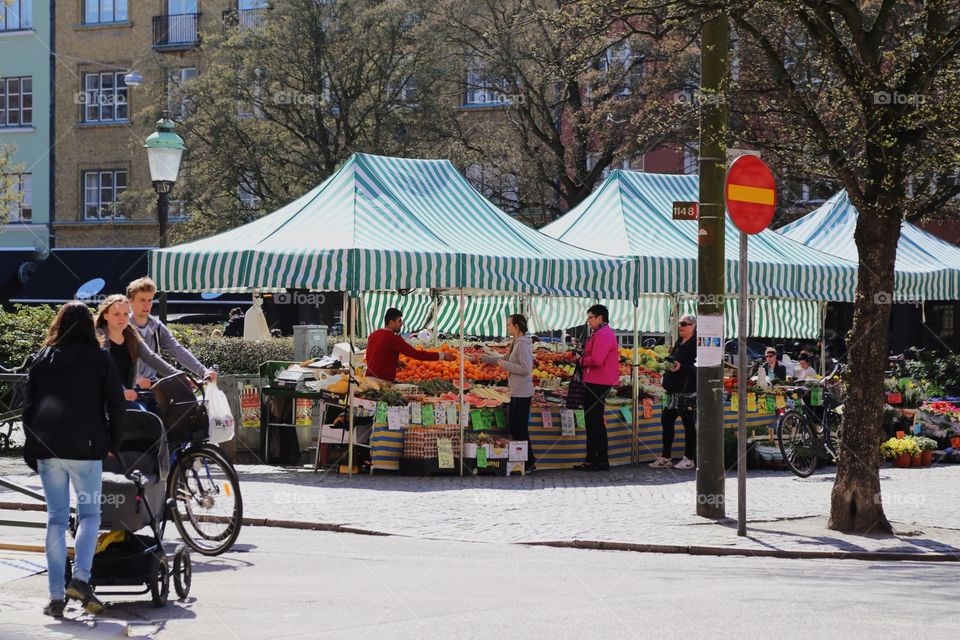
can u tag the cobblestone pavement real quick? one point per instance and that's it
(628, 505)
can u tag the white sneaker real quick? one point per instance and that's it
(686, 463)
(661, 463)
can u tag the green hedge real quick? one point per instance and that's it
(23, 331)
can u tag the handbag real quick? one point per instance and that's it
(577, 392)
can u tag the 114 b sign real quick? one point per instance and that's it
(686, 210)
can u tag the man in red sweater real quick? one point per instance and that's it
(385, 345)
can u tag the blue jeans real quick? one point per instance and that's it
(87, 478)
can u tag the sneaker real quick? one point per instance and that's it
(686, 463)
(661, 463)
(79, 590)
(54, 609)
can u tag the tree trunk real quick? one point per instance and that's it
(855, 505)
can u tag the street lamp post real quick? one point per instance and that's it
(164, 150)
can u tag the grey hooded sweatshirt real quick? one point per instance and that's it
(156, 335)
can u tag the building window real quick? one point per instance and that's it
(621, 65)
(22, 208)
(101, 194)
(247, 192)
(945, 313)
(177, 101)
(104, 11)
(104, 97)
(16, 15)
(485, 88)
(16, 102)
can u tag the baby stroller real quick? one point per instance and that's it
(134, 497)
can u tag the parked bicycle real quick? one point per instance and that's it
(12, 382)
(807, 432)
(203, 486)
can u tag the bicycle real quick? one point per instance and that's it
(12, 383)
(805, 435)
(203, 489)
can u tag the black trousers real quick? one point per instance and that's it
(668, 419)
(596, 426)
(518, 421)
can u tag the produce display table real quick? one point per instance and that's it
(553, 450)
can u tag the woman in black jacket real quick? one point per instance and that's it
(680, 383)
(71, 390)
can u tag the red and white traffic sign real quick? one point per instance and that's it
(750, 194)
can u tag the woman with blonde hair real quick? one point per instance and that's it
(125, 345)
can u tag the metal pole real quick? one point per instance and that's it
(350, 389)
(714, 120)
(823, 338)
(436, 318)
(462, 381)
(163, 210)
(742, 392)
(635, 427)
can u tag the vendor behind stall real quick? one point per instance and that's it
(385, 346)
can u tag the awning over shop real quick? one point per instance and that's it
(927, 267)
(90, 274)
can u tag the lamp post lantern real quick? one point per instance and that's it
(164, 150)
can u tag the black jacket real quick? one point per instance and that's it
(73, 404)
(779, 371)
(685, 380)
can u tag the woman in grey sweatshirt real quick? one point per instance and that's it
(519, 366)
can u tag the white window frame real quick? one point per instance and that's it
(22, 210)
(178, 104)
(98, 106)
(105, 11)
(249, 200)
(105, 209)
(20, 109)
(484, 89)
(17, 15)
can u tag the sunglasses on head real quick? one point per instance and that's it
(771, 355)
(684, 324)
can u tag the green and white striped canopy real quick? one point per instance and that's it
(385, 224)
(630, 214)
(927, 267)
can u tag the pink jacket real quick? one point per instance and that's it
(601, 358)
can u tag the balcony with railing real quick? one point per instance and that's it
(176, 32)
(243, 18)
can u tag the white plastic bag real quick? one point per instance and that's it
(218, 409)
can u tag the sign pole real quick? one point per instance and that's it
(742, 391)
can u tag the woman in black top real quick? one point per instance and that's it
(72, 415)
(680, 383)
(125, 345)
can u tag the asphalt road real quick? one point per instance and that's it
(294, 584)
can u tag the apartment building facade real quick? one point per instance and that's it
(100, 119)
(25, 119)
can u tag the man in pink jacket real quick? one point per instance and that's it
(601, 371)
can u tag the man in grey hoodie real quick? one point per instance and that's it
(156, 335)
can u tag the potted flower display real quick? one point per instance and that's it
(927, 447)
(899, 451)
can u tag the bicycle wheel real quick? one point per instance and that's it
(797, 443)
(207, 506)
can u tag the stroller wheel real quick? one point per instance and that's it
(182, 571)
(159, 579)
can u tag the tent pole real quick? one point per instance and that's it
(435, 329)
(462, 382)
(823, 338)
(635, 427)
(350, 387)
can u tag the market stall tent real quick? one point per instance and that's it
(630, 214)
(383, 224)
(927, 268)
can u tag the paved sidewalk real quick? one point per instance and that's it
(635, 506)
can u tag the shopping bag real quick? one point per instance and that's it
(577, 392)
(218, 410)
